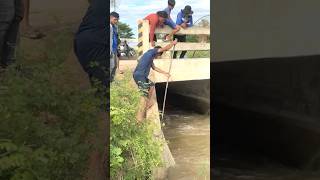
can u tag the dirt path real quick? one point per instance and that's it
(48, 13)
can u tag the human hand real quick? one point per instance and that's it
(175, 42)
(168, 37)
(184, 25)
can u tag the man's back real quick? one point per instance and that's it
(152, 18)
(145, 62)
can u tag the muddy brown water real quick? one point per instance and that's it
(188, 134)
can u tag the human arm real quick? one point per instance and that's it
(167, 47)
(190, 23)
(179, 19)
(174, 31)
(159, 70)
(153, 26)
(118, 65)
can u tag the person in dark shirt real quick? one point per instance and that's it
(169, 21)
(91, 46)
(141, 73)
(11, 14)
(185, 20)
(91, 43)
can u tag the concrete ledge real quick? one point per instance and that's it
(188, 46)
(182, 69)
(188, 31)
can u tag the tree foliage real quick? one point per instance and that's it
(125, 31)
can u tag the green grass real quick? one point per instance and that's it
(134, 151)
(44, 128)
(198, 54)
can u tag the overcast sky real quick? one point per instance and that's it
(132, 10)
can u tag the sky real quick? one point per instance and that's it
(132, 10)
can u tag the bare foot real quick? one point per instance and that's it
(31, 33)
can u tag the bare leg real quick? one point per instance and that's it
(25, 22)
(141, 115)
(150, 102)
(145, 104)
(26, 29)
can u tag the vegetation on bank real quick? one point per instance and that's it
(134, 152)
(45, 128)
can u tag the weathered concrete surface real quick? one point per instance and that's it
(275, 103)
(187, 46)
(181, 70)
(190, 31)
(250, 29)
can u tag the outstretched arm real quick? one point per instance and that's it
(152, 30)
(174, 31)
(167, 47)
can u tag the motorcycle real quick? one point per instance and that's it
(125, 50)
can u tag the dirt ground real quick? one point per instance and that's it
(48, 13)
(52, 17)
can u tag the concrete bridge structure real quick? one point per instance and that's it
(266, 78)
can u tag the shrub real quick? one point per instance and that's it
(134, 152)
(44, 129)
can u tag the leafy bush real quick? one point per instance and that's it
(134, 152)
(44, 129)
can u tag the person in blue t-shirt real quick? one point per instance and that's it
(169, 21)
(141, 73)
(185, 20)
(114, 60)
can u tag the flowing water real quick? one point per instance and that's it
(188, 134)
